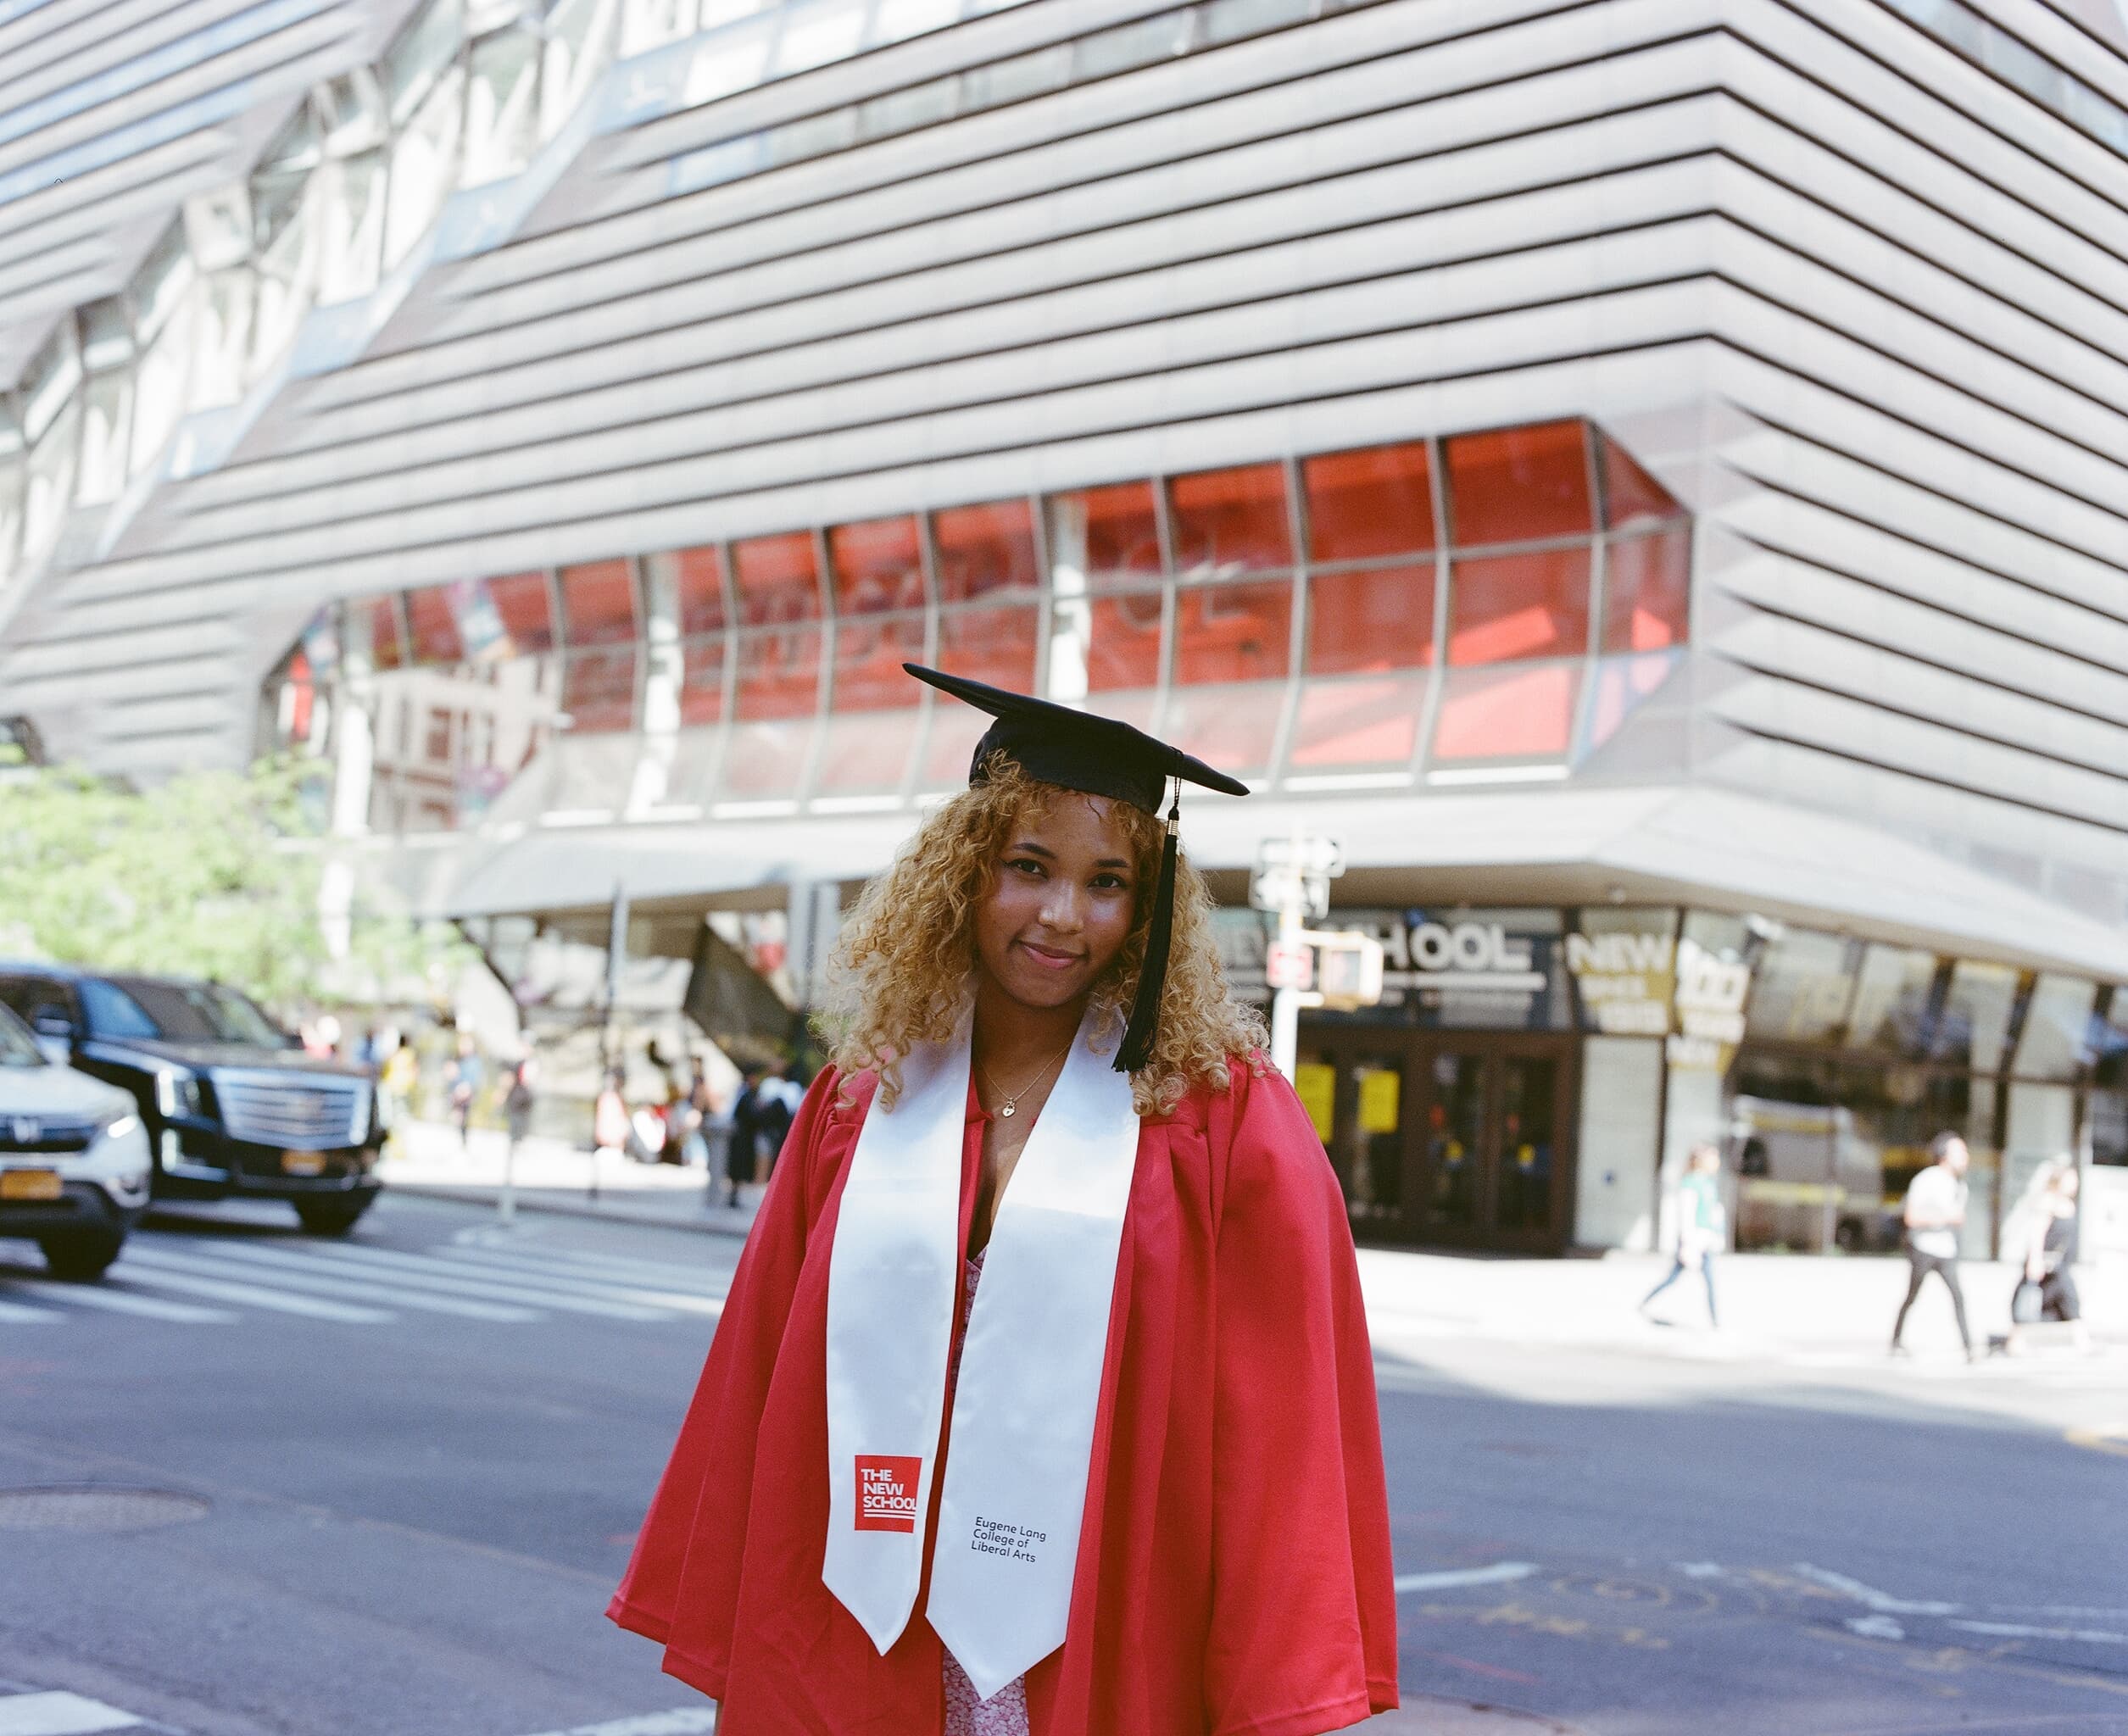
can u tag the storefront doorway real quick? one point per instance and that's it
(1450, 1139)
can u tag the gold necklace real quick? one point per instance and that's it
(1011, 1102)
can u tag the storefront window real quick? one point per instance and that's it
(1891, 1000)
(1363, 505)
(1230, 522)
(2106, 1107)
(1519, 485)
(1973, 1028)
(1524, 712)
(1805, 981)
(1375, 618)
(983, 549)
(2059, 1029)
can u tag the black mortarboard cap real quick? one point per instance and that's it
(1098, 756)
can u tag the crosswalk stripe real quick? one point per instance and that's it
(697, 1284)
(651, 1272)
(686, 1722)
(109, 1296)
(681, 1302)
(250, 1295)
(246, 1263)
(58, 1713)
(22, 1314)
(439, 1275)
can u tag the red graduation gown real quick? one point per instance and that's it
(1234, 1574)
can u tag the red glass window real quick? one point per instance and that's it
(1233, 632)
(995, 644)
(702, 681)
(779, 672)
(869, 653)
(778, 579)
(598, 604)
(1631, 496)
(1647, 591)
(698, 576)
(1505, 608)
(984, 548)
(387, 647)
(1378, 619)
(1516, 485)
(950, 748)
(1364, 723)
(433, 627)
(1365, 504)
(1230, 522)
(1108, 536)
(766, 760)
(1506, 713)
(1233, 727)
(863, 755)
(878, 567)
(599, 689)
(1123, 641)
(526, 612)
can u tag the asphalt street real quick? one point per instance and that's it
(383, 1487)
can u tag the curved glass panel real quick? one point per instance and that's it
(1375, 618)
(1517, 485)
(1230, 522)
(1363, 505)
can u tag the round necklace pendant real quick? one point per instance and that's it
(1006, 1111)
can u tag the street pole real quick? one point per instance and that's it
(1285, 1003)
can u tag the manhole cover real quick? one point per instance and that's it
(96, 1509)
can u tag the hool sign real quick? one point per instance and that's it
(1464, 968)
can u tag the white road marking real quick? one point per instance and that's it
(1500, 1573)
(22, 1314)
(251, 1296)
(109, 1294)
(1700, 1570)
(306, 1273)
(623, 1266)
(1876, 1627)
(684, 1723)
(586, 1284)
(440, 1275)
(1882, 1602)
(59, 1714)
(2014, 1630)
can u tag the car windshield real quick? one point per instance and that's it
(198, 1012)
(18, 1048)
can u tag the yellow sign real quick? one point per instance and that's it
(1315, 1082)
(1379, 1100)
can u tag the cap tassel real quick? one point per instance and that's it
(1144, 1026)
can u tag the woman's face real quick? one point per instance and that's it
(1060, 902)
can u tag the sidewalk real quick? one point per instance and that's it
(1773, 1306)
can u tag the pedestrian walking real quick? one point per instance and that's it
(701, 1108)
(742, 1154)
(778, 1101)
(1702, 1225)
(517, 1099)
(1043, 1117)
(610, 1129)
(1934, 1214)
(466, 1074)
(2047, 1290)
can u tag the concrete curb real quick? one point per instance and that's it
(600, 1212)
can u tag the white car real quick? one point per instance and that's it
(74, 1158)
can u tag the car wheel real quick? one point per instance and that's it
(330, 1217)
(80, 1254)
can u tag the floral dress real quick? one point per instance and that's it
(1005, 1712)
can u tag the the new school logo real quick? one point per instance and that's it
(887, 1492)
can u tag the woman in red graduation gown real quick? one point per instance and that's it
(1043, 1401)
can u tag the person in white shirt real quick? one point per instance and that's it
(1935, 1213)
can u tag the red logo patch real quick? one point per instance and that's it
(887, 1492)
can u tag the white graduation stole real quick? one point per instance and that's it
(1030, 1367)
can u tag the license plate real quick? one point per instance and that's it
(303, 1163)
(30, 1184)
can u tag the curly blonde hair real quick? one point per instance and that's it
(904, 963)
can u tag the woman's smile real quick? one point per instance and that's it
(1050, 958)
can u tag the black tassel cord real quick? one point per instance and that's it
(1144, 1026)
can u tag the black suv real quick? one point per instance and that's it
(233, 1107)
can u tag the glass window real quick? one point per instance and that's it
(1123, 647)
(1230, 522)
(1506, 713)
(702, 681)
(388, 646)
(106, 413)
(351, 212)
(1516, 485)
(221, 338)
(1631, 496)
(51, 478)
(1647, 588)
(599, 689)
(766, 759)
(896, 21)
(994, 645)
(1379, 618)
(49, 381)
(651, 24)
(1104, 536)
(697, 576)
(424, 165)
(878, 566)
(818, 32)
(424, 50)
(1621, 683)
(779, 672)
(432, 627)
(501, 95)
(1232, 727)
(984, 548)
(521, 600)
(1505, 608)
(13, 488)
(1365, 505)
(778, 578)
(597, 603)
(1146, 42)
(868, 754)
(1803, 984)
(1892, 1000)
(869, 653)
(158, 393)
(2058, 1027)
(579, 37)
(948, 747)
(1015, 80)
(1973, 1027)
(1233, 632)
(351, 112)
(1355, 725)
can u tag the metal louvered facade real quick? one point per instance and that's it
(531, 295)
